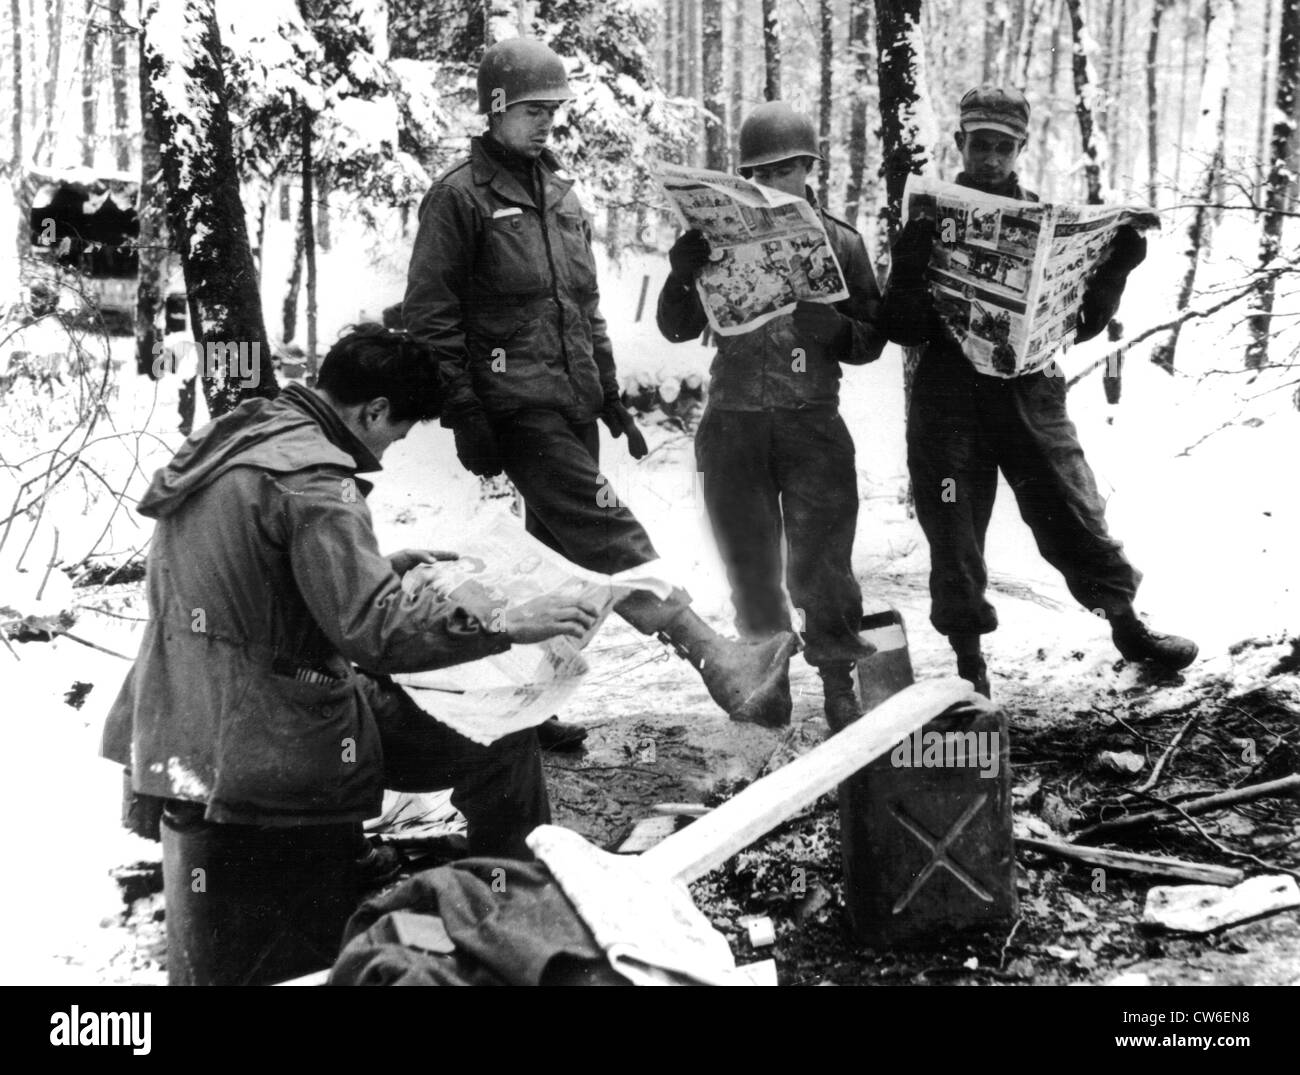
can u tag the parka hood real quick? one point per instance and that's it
(295, 431)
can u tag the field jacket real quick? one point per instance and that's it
(502, 289)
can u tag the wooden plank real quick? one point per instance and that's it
(1132, 862)
(707, 843)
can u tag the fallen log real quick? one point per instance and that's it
(1285, 786)
(1132, 862)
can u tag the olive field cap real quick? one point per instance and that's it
(994, 108)
(520, 69)
(775, 132)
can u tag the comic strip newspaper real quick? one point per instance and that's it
(487, 699)
(770, 249)
(1008, 276)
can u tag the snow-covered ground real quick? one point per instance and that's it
(1197, 469)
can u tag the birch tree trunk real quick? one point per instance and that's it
(907, 128)
(1025, 47)
(771, 51)
(1085, 81)
(89, 88)
(154, 256)
(907, 125)
(293, 288)
(183, 54)
(862, 46)
(54, 39)
(23, 235)
(1153, 104)
(824, 111)
(1208, 147)
(715, 130)
(121, 102)
(309, 243)
(736, 93)
(1262, 154)
(1284, 126)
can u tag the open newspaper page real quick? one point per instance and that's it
(770, 249)
(1008, 276)
(490, 698)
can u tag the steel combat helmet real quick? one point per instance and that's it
(520, 69)
(774, 132)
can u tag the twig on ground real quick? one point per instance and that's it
(1157, 771)
(92, 645)
(1223, 849)
(1286, 786)
(1002, 961)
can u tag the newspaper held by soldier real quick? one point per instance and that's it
(1007, 276)
(770, 249)
(490, 698)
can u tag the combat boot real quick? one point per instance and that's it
(970, 662)
(1137, 642)
(838, 696)
(750, 682)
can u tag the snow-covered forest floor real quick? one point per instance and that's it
(1198, 471)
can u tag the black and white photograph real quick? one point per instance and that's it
(436, 549)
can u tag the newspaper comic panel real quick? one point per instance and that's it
(770, 249)
(1007, 276)
(1080, 242)
(502, 566)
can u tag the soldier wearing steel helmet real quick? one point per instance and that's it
(502, 290)
(774, 453)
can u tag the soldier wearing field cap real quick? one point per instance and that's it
(964, 426)
(502, 290)
(776, 458)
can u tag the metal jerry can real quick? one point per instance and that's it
(926, 828)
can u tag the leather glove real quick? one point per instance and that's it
(1104, 290)
(476, 445)
(819, 321)
(618, 419)
(911, 252)
(688, 255)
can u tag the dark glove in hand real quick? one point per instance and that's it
(476, 445)
(619, 420)
(1128, 250)
(688, 255)
(819, 321)
(1102, 295)
(911, 252)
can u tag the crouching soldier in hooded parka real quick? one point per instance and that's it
(774, 454)
(964, 426)
(502, 289)
(244, 720)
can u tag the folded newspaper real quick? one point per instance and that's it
(503, 565)
(1008, 276)
(770, 249)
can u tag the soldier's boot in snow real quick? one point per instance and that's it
(970, 662)
(839, 698)
(1137, 642)
(751, 682)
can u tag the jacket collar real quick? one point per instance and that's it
(489, 171)
(338, 434)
